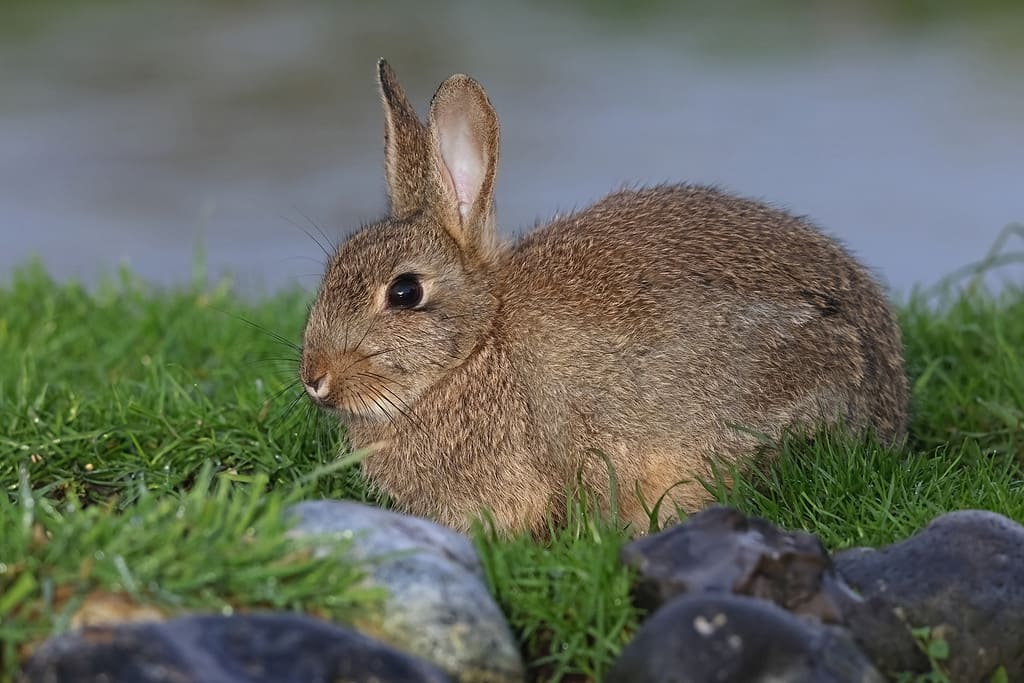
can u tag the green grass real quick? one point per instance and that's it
(217, 548)
(134, 420)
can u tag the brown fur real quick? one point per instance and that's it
(658, 327)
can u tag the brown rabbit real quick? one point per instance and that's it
(660, 327)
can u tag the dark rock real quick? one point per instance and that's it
(215, 649)
(732, 639)
(723, 550)
(963, 575)
(438, 606)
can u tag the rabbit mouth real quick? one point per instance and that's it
(356, 389)
(370, 408)
(363, 397)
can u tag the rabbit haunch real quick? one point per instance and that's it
(659, 328)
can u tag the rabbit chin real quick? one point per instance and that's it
(367, 408)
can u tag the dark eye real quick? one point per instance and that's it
(405, 292)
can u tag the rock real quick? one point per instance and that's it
(963, 575)
(258, 648)
(722, 550)
(734, 639)
(438, 604)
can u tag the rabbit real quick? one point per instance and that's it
(656, 332)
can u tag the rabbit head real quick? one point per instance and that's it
(406, 299)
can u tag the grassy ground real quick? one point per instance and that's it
(135, 422)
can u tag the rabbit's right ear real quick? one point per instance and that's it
(407, 161)
(464, 133)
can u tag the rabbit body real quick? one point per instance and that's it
(654, 331)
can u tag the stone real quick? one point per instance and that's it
(962, 576)
(255, 648)
(737, 639)
(438, 605)
(722, 550)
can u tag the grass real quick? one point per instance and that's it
(134, 420)
(217, 548)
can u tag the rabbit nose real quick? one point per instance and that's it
(319, 387)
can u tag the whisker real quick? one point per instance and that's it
(368, 356)
(366, 331)
(382, 378)
(334, 245)
(286, 411)
(287, 387)
(280, 374)
(256, 362)
(366, 407)
(273, 335)
(308, 233)
(326, 432)
(391, 418)
(319, 429)
(406, 412)
(379, 396)
(396, 348)
(409, 413)
(305, 258)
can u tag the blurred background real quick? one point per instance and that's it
(140, 133)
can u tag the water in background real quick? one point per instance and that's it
(131, 133)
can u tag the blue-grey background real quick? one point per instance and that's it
(135, 132)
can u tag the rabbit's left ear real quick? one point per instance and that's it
(406, 147)
(463, 131)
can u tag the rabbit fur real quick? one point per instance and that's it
(655, 331)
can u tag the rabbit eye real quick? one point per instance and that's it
(405, 291)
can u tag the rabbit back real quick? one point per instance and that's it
(669, 326)
(680, 309)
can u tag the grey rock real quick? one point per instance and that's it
(259, 648)
(735, 639)
(722, 550)
(962, 575)
(438, 605)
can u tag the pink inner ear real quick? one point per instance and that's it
(463, 159)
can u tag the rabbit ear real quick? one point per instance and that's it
(464, 136)
(406, 149)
